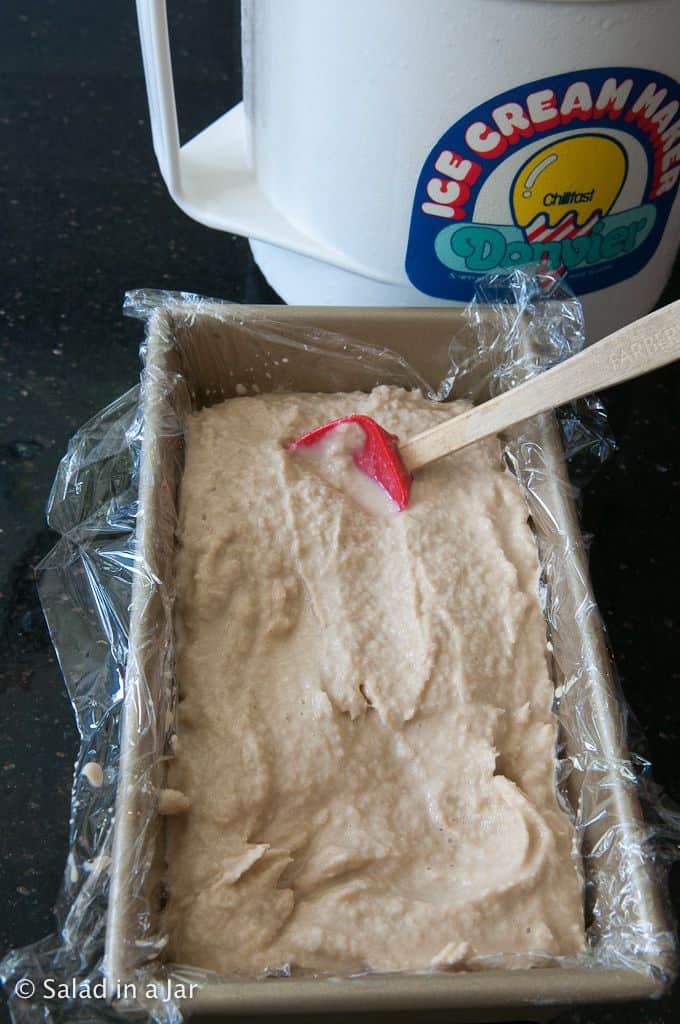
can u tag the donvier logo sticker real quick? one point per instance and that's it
(578, 171)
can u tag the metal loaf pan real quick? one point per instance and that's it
(190, 345)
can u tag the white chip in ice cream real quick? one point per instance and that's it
(94, 774)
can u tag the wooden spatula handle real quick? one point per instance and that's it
(637, 348)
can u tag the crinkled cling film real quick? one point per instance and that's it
(107, 594)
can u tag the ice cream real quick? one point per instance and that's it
(366, 742)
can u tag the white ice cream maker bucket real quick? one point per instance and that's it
(390, 152)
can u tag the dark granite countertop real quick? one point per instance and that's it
(85, 217)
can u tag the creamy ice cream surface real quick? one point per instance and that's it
(365, 736)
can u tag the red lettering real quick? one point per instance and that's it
(577, 103)
(666, 182)
(484, 140)
(438, 210)
(450, 193)
(542, 109)
(670, 158)
(664, 117)
(512, 122)
(458, 168)
(646, 105)
(672, 136)
(612, 98)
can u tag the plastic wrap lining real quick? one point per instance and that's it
(107, 593)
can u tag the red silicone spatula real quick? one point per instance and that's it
(378, 457)
(637, 348)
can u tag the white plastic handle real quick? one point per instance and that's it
(155, 42)
(210, 177)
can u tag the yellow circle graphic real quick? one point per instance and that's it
(581, 176)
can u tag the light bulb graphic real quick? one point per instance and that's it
(566, 188)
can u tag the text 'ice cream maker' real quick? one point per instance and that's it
(389, 152)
